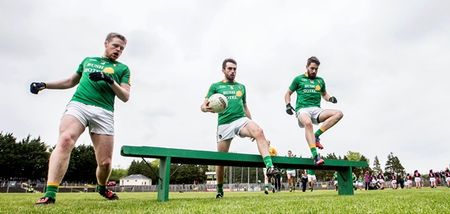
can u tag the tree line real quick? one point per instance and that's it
(27, 159)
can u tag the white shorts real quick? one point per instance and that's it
(432, 179)
(230, 130)
(291, 173)
(409, 182)
(99, 120)
(313, 113)
(447, 179)
(380, 181)
(417, 179)
(394, 181)
(312, 178)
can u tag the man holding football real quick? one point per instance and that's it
(235, 120)
(310, 89)
(99, 80)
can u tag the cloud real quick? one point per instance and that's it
(385, 64)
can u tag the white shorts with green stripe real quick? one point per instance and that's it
(230, 130)
(312, 112)
(99, 120)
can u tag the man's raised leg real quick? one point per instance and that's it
(252, 130)
(329, 117)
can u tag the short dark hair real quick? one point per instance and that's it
(224, 63)
(113, 35)
(312, 59)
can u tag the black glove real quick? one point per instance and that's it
(289, 109)
(332, 99)
(96, 76)
(35, 87)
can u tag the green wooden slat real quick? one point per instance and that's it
(231, 159)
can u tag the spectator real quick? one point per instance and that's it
(380, 180)
(360, 182)
(408, 181)
(394, 181)
(432, 178)
(367, 179)
(447, 177)
(335, 175)
(355, 181)
(417, 179)
(311, 178)
(401, 180)
(291, 175)
(304, 180)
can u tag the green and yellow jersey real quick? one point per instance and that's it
(309, 91)
(236, 95)
(99, 93)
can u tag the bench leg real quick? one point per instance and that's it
(345, 181)
(164, 175)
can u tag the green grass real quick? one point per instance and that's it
(424, 200)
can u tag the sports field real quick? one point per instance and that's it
(423, 200)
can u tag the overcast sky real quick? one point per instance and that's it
(387, 63)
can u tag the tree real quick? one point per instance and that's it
(188, 173)
(8, 160)
(326, 175)
(393, 165)
(117, 174)
(33, 156)
(180, 173)
(27, 159)
(82, 165)
(368, 169)
(148, 170)
(355, 156)
(376, 166)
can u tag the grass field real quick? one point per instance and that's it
(424, 200)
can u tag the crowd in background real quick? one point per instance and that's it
(378, 180)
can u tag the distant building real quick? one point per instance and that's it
(210, 177)
(135, 180)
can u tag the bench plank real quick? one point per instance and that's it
(168, 156)
(187, 156)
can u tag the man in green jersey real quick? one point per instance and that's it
(311, 178)
(335, 180)
(235, 120)
(310, 89)
(99, 80)
(291, 175)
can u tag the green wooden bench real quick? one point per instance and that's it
(168, 156)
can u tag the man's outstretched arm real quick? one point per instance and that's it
(70, 82)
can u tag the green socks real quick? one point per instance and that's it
(318, 132)
(101, 188)
(268, 161)
(313, 151)
(51, 191)
(220, 188)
